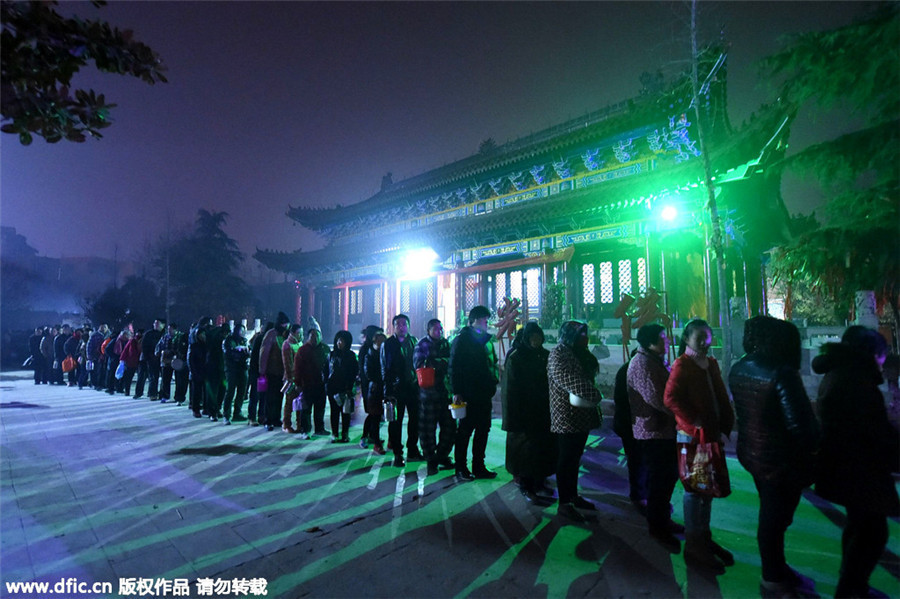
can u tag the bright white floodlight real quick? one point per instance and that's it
(418, 263)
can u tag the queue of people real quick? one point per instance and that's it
(550, 404)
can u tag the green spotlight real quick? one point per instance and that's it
(669, 213)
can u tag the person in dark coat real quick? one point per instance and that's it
(400, 387)
(778, 439)
(368, 339)
(149, 367)
(637, 475)
(525, 398)
(343, 367)
(196, 359)
(237, 354)
(310, 372)
(253, 375)
(375, 396)
(571, 370)
(59, 353)
(860, 450)
(37, 359)
(473, 378)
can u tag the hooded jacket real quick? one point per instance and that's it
(860, 448)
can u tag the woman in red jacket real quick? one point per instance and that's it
(131, 355)
(696, 395)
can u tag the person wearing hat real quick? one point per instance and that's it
(473, 378)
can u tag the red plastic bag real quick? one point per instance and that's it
(702, 468)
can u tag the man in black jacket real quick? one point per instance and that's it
(473, 378)
(149, 364)
(401, 388)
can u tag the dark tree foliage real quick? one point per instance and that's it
(202, 271)
(42, 51)
(856, 246)
(137, 301)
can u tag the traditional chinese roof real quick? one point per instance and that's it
(604, 169)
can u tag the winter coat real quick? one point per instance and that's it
(525, 390)
(131, 355)
(118, 345)
(196, 355)
(34, 346)
(860, 449)
(371, 366)
(288, 353)
(434, 354)
(698, 398)
(342, 370)
(59, 346)
(778, 434)
(566, 375)
(473, 366)
(94, 343)
(647, 377)
(70, 348)
(47, 347)
(237, 353)
(271, 363)
(310, 370)
(397, 370)
(148, 345)
(215, 354)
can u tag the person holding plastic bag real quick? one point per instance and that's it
(696, 395)
(342, 370)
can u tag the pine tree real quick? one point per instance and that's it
(856, 245)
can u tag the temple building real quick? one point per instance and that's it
(576, 215)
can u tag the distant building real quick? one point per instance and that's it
(606, 204)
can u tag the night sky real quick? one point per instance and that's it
(277, 104)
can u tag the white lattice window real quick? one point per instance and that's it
(624, 276)
(500, 286)
(404, 297)
(587, 283)
(606, 283)
(376, 309)
(338, 304)
(533, 287)
(642, 275)
(471, 291)
(515, 284)
(430, 293)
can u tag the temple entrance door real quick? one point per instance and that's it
(418, 300)
(364, 308)
(327, 312)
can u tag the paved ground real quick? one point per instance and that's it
(101, 488)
